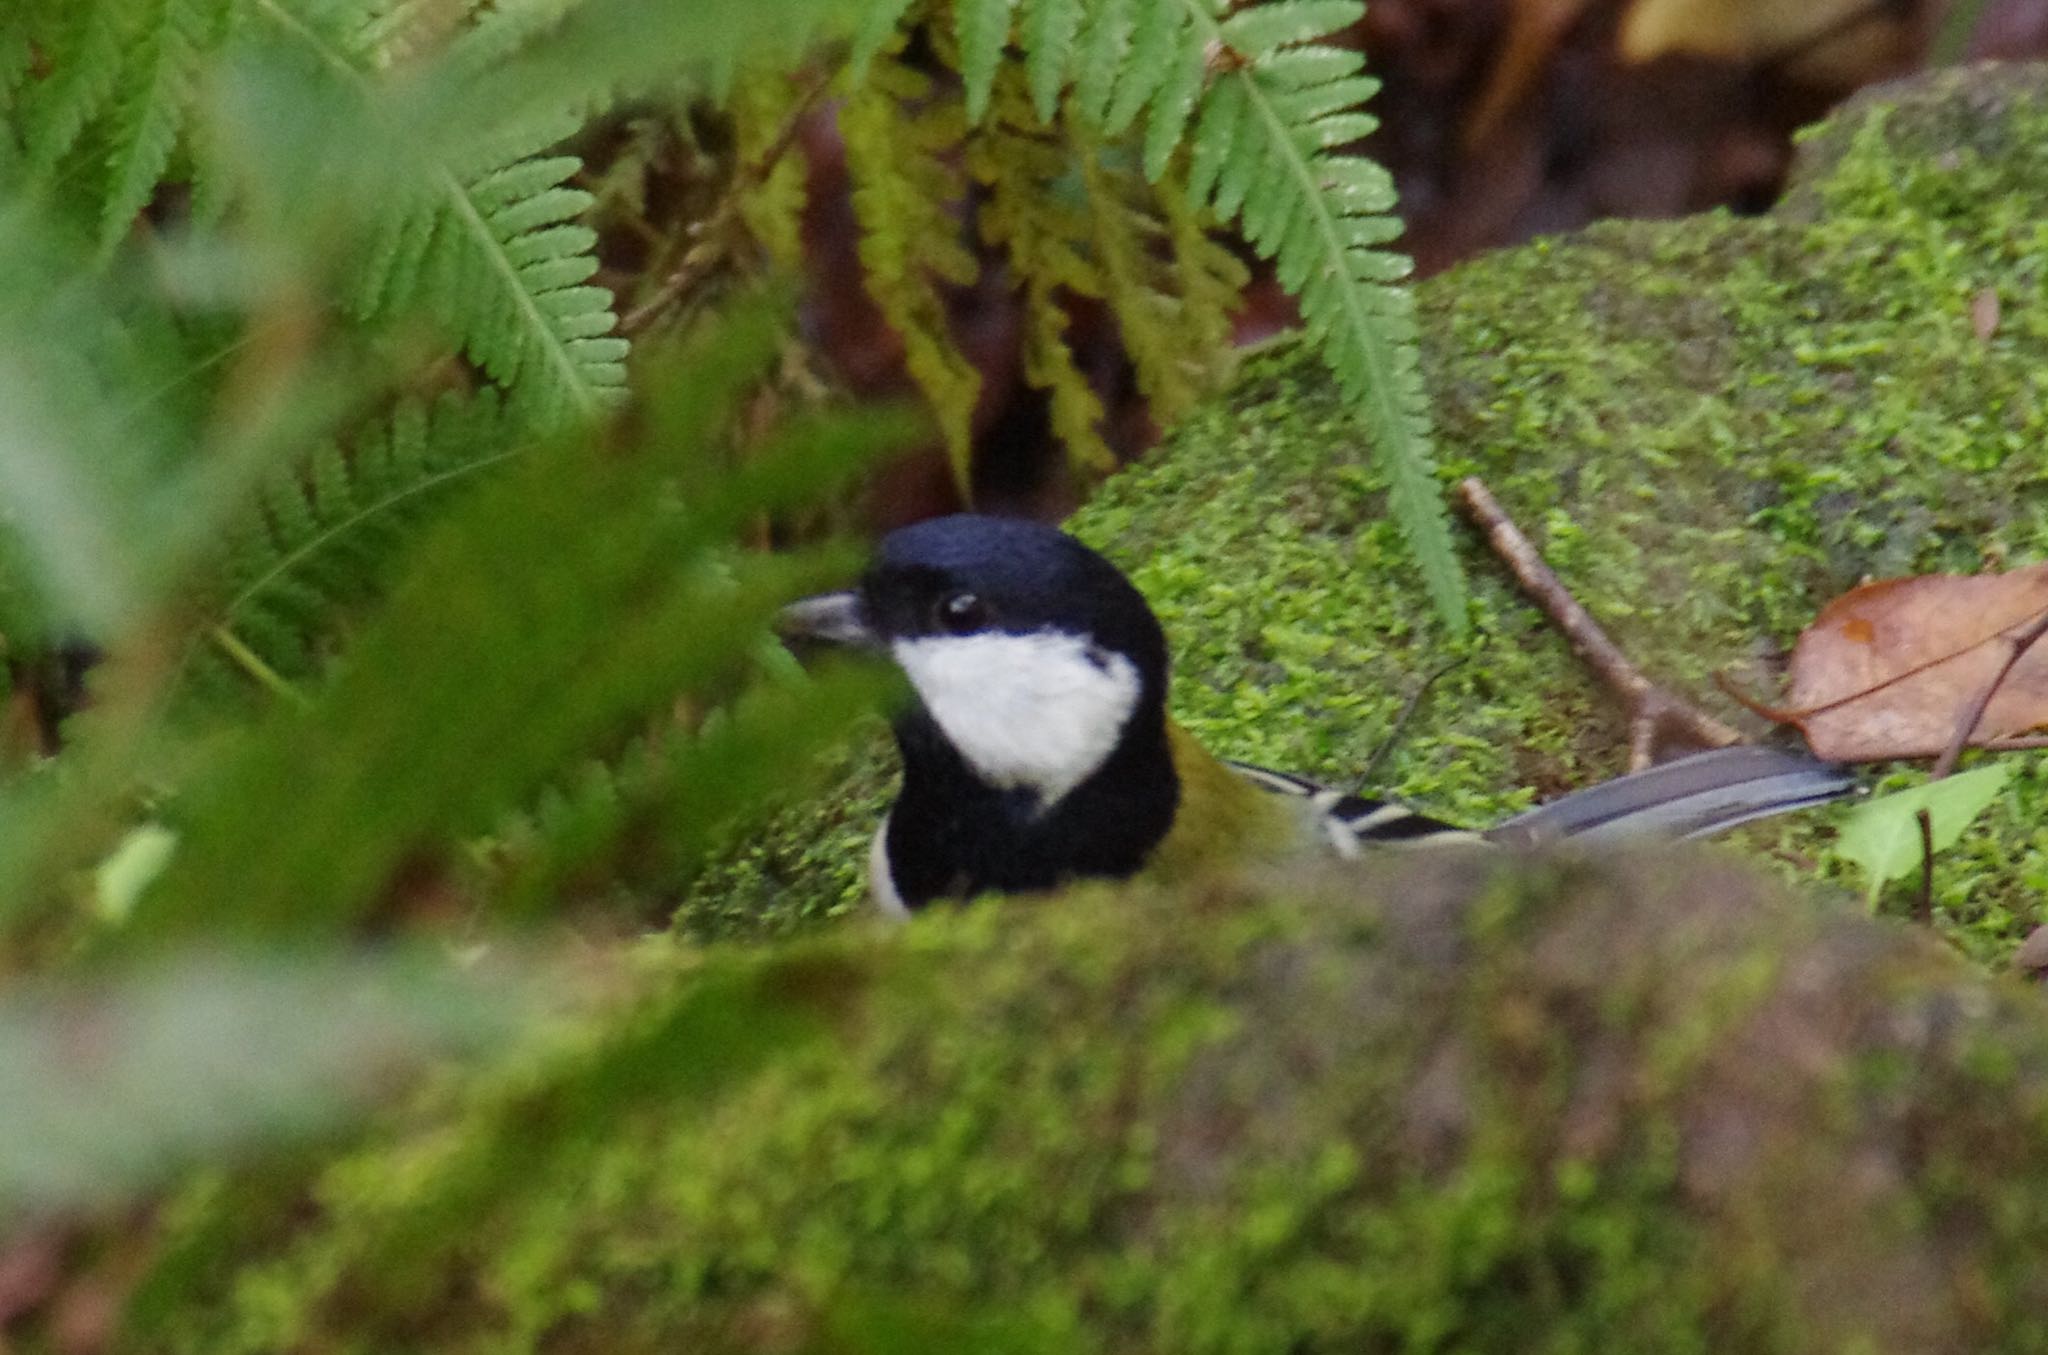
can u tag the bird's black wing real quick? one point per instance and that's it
(1694, 796)
(1354, 822)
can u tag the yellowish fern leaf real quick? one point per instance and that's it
(1172, 288)
(1036, 213)
(902, 136)
(771, 203)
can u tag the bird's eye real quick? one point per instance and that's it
(961, 613)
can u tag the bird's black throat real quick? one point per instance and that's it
(953, 835)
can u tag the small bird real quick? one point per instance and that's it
(1037, 749)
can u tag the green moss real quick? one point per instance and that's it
(1710, 427)
(1458, 1103)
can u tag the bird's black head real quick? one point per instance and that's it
(970, 575)
(1037, 749)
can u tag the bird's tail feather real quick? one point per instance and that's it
(1691, 797)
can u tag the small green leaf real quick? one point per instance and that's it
(1883, 836)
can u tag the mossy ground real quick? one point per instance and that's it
(1476, 1107)
(1710, 427)
(1472, 1102)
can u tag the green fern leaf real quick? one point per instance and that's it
(1264, 148)
(1048, 31)
(1270, 103)
(1321, 217)
(84, 60)
(1173, 289)
(1102, 50)
(162, 73)
(314, 549)
(984, 30)
(1260, 29)
(396, 33)
(878, 29)
(24, 31)
(1036, 214)
(900, 135)
(642, 821)
(1155, 44)
(1109, 233)
(1216, 142)
(499, 259)
(1182, 75)
(762, 108)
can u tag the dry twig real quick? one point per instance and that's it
(2016, 647)
(1653, 713)
(714, 233)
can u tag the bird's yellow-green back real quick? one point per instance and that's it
(1224, 821)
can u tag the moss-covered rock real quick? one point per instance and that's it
(1458, 1103)
(1709, 426)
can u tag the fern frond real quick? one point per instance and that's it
(313, 548)
(162, 72)
(762, 109)
(83, 54)
(983, 27)
(1270, 104)
(24, 28)
(1100, 51)
(643, 819)
(878, 31)
(1322, 218)
(488, 246)
(1036, 214)
(899, 131)
(391, 33)
(1048, 30)
(1173, 288)
(1074, 217)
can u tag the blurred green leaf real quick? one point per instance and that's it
(91, 505)
(549, 612)
(646, 821)
(109, 1085)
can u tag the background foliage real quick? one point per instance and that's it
(373, 572)
(381, 639)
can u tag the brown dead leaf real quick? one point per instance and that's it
(1888, 669)
(1833, 41)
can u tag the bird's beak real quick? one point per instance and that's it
(829, 618)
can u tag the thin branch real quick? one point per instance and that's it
(1653, 712)
(2017, 644)
(1370, 775)
(1923, 909)
(712, 231)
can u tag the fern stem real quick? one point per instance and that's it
(250, 662)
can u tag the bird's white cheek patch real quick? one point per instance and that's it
(1040, 711)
